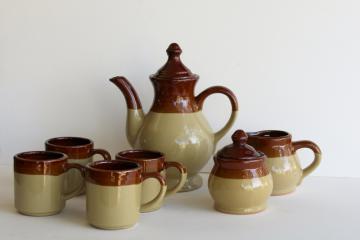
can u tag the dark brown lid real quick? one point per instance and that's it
(239, 150)
(174, 69)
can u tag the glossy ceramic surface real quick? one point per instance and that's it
(240, 196)
(239, 182)
(282, 160)
(154, 162)
(113, 195)
(175, 123)
(39, 183)
(79, 150)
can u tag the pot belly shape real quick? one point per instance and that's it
(240, 196)
(183, 137)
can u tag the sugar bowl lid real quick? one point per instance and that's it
(239, 150)
(174, 69)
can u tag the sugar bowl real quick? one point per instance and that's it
(239, 182)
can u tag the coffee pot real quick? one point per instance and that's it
(175, 124)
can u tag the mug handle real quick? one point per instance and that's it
(234, 107)
(317, 152)
(183, 175)
(160, 196)
(81, 187)
(105, 154)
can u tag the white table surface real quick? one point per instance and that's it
(321, 208)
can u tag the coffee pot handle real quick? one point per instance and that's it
(234, 106)
(317, 152)
(159, 198)
(79, 188)
(183, 175)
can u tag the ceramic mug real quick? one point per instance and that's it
(39, 182)
(153, 162)
(113, 193)
(282, 160)
(79, 150)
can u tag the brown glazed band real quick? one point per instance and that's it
(236, 169)
(40, 163)
(75, 147)
(274, 143)
(131, 97)
(150, 161)
(113, 173)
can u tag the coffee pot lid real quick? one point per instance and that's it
(239, 150)
(174, 69)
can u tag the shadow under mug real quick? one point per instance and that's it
(153, 162)
(79, 150)
(39, 182)
(113, 193)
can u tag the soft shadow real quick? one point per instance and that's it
(197, 199)
(8, 207)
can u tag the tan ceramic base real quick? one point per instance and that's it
(282, 193)
(286, 173)
(240, 196)
(186, 138)
(39, 195)
(192, 183)
(149, 190)
(242, 211)
(73, 177)
(113, 207)
(39, 214)
(113, 228)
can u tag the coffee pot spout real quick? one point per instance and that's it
(135, 114)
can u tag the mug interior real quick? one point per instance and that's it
(69, 141)
(273, 133)
(114, 165)
(41, 156)
(140, 155)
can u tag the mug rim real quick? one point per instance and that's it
(113, 177)
(150, 161)
(62, 156)
(50, 142)
(126, 155)
(92, 166)
(267, 134)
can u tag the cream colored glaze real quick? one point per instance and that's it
(286, 172)
(184, 137)
(151, 188)
(73, 177)
(39, 195)
(240, 196)
(113, 207)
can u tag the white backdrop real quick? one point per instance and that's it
(294, 65)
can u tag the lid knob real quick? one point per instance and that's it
(239, 137)
(174, 50)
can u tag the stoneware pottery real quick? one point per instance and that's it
(79, 150)
(175, 124)
(39, 182)
(239, 182)
(113, 193)
(282, 160)
(153, 162)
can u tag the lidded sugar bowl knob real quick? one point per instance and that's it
(239, 182)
